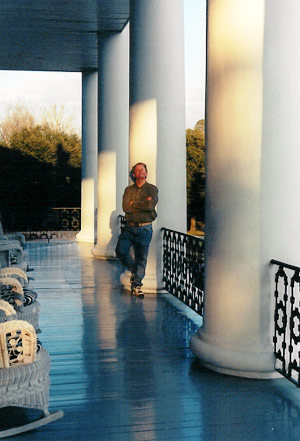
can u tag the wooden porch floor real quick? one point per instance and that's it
(122, 369)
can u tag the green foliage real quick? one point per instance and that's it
(48, 146)
(195, 148)
(42, 168)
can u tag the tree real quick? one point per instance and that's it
(57, 149)
(43, 143)
(42, 168)
(57, 119)
(195, 148)
(18, 117)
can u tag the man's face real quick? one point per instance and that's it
(140, 172)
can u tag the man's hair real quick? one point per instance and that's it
(131, 174)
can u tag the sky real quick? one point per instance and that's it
(38, 89)
(195, 55)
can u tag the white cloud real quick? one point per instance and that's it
(36, 90)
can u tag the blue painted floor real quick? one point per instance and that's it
(122, 369)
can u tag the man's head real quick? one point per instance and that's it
(139, 171)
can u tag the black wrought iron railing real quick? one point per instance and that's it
(52, 223)
(183, 268)
(66, 219)
(287, 321)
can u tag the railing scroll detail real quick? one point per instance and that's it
(183, 268)
(287, 321)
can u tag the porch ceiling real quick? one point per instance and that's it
(56, 35)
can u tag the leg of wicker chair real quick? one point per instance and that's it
(46, 419)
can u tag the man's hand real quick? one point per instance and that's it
(148, 198)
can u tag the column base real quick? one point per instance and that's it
(248, 364)
(85, 236)
(107, 253)
(150, 284)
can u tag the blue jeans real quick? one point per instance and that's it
(139, 239)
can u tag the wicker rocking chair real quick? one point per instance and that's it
(22, 299)
(17, 273)
(24, 375)
(7, 312)
(12, 254)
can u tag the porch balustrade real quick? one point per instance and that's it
(287, 321)
(183, 268)
(53, 223)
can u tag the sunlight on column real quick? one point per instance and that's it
(143, 135)
(235, 100)
(237, 28)
(107, 166)
(235, 54)
(234, 143)
(87, 206)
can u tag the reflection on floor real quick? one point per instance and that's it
(122, 369)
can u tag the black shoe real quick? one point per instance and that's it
(137, 291)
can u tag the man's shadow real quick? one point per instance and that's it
(115, 226)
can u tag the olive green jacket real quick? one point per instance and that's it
(141, 210)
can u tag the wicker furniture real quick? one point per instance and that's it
(22, 299)
(18, 343)
(17, 273)
(24, 374)
(12, 254)
(12, 291)
(17, 236)
(7, 312)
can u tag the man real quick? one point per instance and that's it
(139, 201)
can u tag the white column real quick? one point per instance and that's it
(89, 157)
(253, 93)
(113, 116)
(281, 135)
(157, 115)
